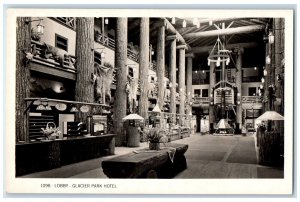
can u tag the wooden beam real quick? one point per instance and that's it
(205, 49)
(171, 37)
(236, 30)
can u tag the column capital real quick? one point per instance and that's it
(171, 37)
(189, 55)
(183, 46)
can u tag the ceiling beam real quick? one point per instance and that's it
(205, 49)
(229, 31)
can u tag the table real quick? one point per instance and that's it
(145, 163)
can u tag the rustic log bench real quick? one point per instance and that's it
(145, 163)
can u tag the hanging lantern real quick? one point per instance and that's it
(265, 72)
(173, 20)
(268, 60)
(271, 38)
(263, 80)
(218, 62)
(261, 86)
(40, 28)
(184, 23)
(106, 21)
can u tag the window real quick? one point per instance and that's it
(130, 71)
(97, 57)
(252, 91)
(61, 42)
(204, 92)
(197, 92)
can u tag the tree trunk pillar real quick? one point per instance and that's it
(161, 66)
(181, 82)
(144, 67)
(84, 88)
(189, 89)
(238, 82)
(212, 82)
(22, 77)
(120, 64)
(173, 78)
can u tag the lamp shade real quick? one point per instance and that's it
(271, 115)
(156, 109)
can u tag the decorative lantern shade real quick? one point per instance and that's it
(156, 109)
(268, 60)
(271, 38)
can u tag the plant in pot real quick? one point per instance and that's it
(155, 136)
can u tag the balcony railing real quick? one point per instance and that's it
(201, 100)
(67, 21)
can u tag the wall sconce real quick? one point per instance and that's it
(106, 21)
(268, 60)
(173, 20)
(271, 37)
(184, 23)
(40, 26)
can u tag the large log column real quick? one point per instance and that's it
(84, 88)
(161, 65)
(120, 64)
(182, 80)
(238, 82)
(212, 82)
(144, 66)
(278, 58)
(22, 78)
(189, 74)
(172, 75)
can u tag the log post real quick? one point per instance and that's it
(238, 82)
(189, 74)
(120, 64)
(212, 82)
(22, 77)
(144, 67)
(161, 65)
(182, 80)
(84, 88)
(173, 78)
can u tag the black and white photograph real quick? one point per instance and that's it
(105, 101)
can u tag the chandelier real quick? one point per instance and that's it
(218, 54)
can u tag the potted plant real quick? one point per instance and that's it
(155, 136)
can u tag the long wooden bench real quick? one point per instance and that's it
(145, 163)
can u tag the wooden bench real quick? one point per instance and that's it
(145, 163)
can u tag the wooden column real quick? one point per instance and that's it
(84, 88)
(278, 59)
(238, 82)
(161, 65)
(212, 82)
(189, 74)
(172, 76)
(182, 80)
(267, 79)
(22, 77)
(120, 64)
(144, 66)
